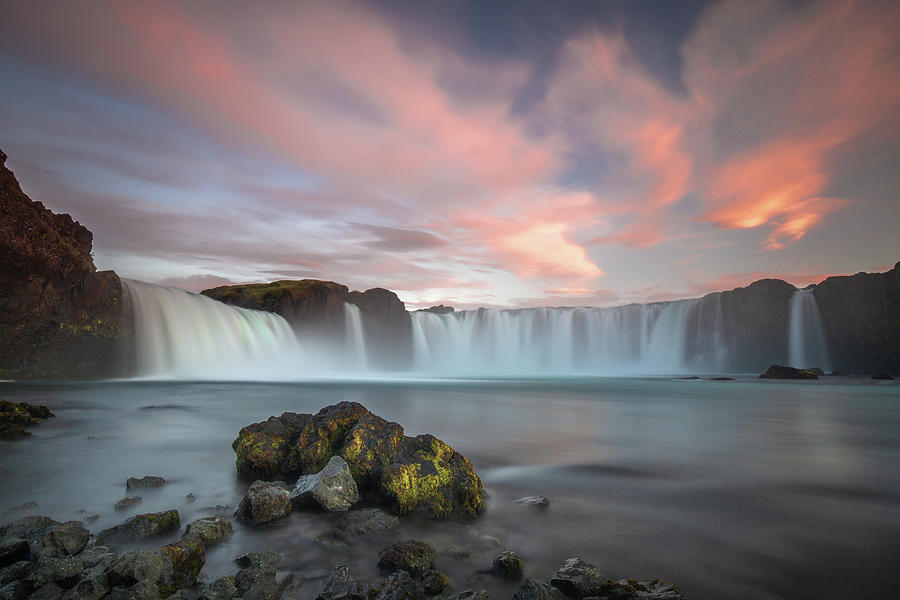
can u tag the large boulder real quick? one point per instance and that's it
(187, 555)
(421, 474)
(211, 530)
(141, 526)
(333, 488)
(265, 501)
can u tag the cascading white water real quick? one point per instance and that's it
(183, 335)
(628, 339)
(806, 336)
(355, 339)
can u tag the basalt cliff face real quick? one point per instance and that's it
(316, 309)
(59, 316)
(861, 318)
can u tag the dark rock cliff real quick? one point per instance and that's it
(861, 318)
(59, 317)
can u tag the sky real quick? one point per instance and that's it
(467, 153)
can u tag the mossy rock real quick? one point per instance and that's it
(188, 555)
(430, 477)
(412, 556)
(421, 474)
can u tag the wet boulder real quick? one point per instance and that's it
(264, 501)
(577, 579)
(538, 501)
(141, 526)
(62, 571)
(142, 590)
(341, 585)
(365, 520)
(412, 556)
(333, 488)
(431, 478)
(92, 584)
(187, 555)
(141, 565)
(783, 372)
(434, 582)
(13, 550)
(65, 539)
(148, 481)
(421, 474)
(256, 580)
(508, 565)
(211, 530)
(399, 586)
(128, 502)
(532, 589)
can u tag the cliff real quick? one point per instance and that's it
(316, 309)
(861, 318)
(59, 317)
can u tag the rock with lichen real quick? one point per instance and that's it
(264, 501)
(421, 474)
(211, 530)
(187, 555)
(412, 556)
(141, 526)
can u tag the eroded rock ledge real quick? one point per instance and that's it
(418, 474)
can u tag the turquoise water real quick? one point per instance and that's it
(732, 489)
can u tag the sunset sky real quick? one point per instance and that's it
(472, 153)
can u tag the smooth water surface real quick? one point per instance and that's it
(732, 489)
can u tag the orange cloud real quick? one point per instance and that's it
(542, 248)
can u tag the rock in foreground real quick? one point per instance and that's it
(333, 488)
(265, 501)
(421, 474)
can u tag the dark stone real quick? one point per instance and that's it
(211, 530)
(340, 585)
(190, 498)
(62, 571)
(142, 526)
(141, 565)
(17, 590)
(412, 556)
(221, 589)
(469, 595)
(48, 591)
(332, 488)
(92, 585)
(434, 582)
(129, 502)
(264, 501)
(399, 586)
(12, 550)
(142, 590)
(256, 581)
(577, 579)
(16, 571)
(883, 376)
(783, 372)
(539, 501)
(66, 539)
(508, 565)
(421, 474)
(87, 516)
(97, 555)
(148, 481)
(32, 529)
(60, 317)
(531, 589)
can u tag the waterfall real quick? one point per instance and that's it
(647, 339)
(183, 335)
(355, 339)
(806, 337)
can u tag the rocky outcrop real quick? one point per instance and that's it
(782, 372)
(59, 316)
(314, 307)
(421, 474)
(15, 417)
(861, 317)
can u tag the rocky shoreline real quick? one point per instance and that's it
(45, 559)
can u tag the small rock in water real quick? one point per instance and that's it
(26, 507)
(332, 488)
(190, 498)
(720, 379)
(148, 481)
(540, 501)
(128, 502)
(412, 556)
(577, 579)
(265, 501)
(142, 526)
(434, 582)
(87, 516)
(399, 586)
(365, 520)
(508, 565)
(341, 585)
(882, 376)
(782, 372)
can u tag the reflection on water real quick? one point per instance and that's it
(741, 489)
